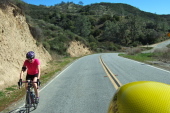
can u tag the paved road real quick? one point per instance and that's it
(129, 70)
(81, 88)
(161, 45)
(84, 88)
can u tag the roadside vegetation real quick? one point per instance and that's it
(12, 94)
(142, 57)
(159, 55)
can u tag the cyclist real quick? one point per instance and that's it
(32, 66)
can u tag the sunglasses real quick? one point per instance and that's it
(29, 58)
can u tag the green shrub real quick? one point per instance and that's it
(2, 94)
(36, 33)
(47, 45)
(10, 89)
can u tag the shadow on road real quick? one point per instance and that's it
(21, 110)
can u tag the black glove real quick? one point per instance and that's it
(20, 83)
(38, 82)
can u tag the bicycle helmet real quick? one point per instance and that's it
(30, 55)
(141, 97)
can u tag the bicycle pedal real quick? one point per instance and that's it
(37, 100)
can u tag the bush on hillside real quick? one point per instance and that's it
(133, 51)
(36, 33)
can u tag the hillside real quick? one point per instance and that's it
(15, 41)
(101, 26)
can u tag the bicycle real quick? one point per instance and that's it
(30, 96)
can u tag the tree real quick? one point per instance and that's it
(123, 33)
(82, 26)
(134, 27)
(122, 11)
(104, 18)
(111, 31)
(62, 3)
(81, 3)
(152, 36)
(93, 46)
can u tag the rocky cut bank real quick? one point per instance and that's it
(15, 41)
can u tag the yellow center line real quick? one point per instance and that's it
(116, 83)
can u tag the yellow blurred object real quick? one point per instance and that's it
(169, 34)
(141, 97)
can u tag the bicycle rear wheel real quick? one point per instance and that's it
(35, 105)
(28, 102)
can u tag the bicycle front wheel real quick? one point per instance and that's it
(28, 102)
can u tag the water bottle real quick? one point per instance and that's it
(33, 95)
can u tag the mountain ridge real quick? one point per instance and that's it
(104, 26)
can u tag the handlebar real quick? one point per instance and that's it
(28, 81)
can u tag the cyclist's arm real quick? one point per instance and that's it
(39, 72)
(22, 71)
(21, 74)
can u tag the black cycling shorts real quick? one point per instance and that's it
(31, 77)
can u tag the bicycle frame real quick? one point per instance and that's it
(30, 96)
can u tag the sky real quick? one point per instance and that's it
(153, 6)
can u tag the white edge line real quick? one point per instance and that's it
(148, 65)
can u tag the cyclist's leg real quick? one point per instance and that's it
(35, 85)
(27, 78)
(36, 89)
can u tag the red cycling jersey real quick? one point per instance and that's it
(32, 67)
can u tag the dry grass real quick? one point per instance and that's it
(163, 54)
(133, 51)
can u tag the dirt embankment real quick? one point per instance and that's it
(77, 49)
(15, 41)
